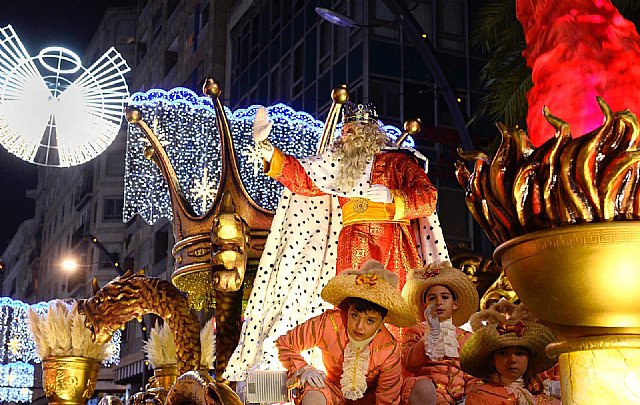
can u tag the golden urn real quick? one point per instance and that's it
(69, 380)
(579, 275)
(164, 376)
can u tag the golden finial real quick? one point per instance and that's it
(133, 115)
(340, 94)
(211, 88)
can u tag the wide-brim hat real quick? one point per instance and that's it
(375, 284)
(476, 353)
(420, 280)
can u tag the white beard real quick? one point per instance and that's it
(353, 160)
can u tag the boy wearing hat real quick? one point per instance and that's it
(507, 355)
(444, 298)
(361, 357)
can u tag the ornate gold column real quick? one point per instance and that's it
(565, 217)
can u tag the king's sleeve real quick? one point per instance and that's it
(287, 170)
(416, 196)
(302, 337)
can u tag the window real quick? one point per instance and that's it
(386, 97)
(129, 263)
(171, 56)
(156, 22)
(160, 245)
(125, 32)
(451, 25)
(112, 209)
(204, 16)
(142, 45)
(298, 69)
(171, 6)
(115, 164)
(324, 50)
(275, 85)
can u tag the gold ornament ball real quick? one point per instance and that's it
(211, 88)
(413, 126)
(340, 94)
(148, 152)
(133, 115)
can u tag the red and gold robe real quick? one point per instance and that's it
(373, 230)
(328, 332)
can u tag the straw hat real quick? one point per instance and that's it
(375, 284)
(476, 354)
(420, 280)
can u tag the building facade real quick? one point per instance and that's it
(283, 51)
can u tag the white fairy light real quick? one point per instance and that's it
(187, 123)
(53, 111)
(254, 158)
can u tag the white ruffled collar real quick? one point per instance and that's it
(521, 393)
(355, 365)
(447, 344)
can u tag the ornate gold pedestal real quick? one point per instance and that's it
(165, 376)
(584, 282)
(69, 380)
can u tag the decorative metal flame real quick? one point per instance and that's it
(593, 178)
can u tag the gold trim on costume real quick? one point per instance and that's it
(400, 202)
(274, 168)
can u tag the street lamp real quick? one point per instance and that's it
(425, 49)
(69, 264)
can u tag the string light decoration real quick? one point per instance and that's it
(16, 375)
(16, 340)
(53, 111)
(186, 124)
(10, 394)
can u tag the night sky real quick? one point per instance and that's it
(41, 23)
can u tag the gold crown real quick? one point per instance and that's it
(352, 112)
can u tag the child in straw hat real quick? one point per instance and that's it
(444, 298)
(507, 355)
(361, 357)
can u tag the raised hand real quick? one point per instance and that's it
(434, 330)
(261, 125)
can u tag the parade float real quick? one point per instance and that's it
(561, 202)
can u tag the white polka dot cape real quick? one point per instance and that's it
(298, 261)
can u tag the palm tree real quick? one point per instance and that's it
(506, 77)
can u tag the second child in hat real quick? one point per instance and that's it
(442, 297)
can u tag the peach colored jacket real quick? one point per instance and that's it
(328, 332)
(450, 381)
(490, 394)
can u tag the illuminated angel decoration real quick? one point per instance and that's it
(53, 111)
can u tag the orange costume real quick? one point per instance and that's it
(373, 230)
(450, 381)
(328, 332)
(491, 394)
